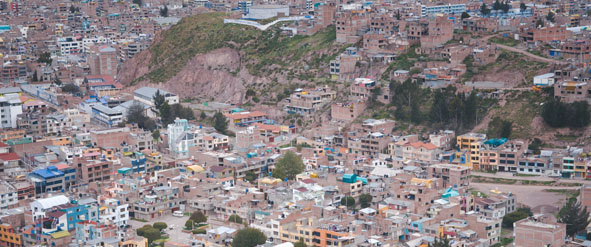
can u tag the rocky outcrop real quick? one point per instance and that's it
(217, 75)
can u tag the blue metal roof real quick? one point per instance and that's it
(49, 172)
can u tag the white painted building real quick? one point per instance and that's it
(544, 80)
(146, 96)
(10, 108)
(178, 142)
(8, 196)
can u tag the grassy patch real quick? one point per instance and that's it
(264, 52)
(567, 192)
(475, 193)
(140, 220)
(526, 175)
(504, 41)
(521, 108)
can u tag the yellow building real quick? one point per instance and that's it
(471, 142)
(8, 237)
(308, 229)
(138, 242)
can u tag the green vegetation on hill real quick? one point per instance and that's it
(262, 51)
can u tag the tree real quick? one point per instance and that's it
(519, 214)
(574, 216)
(558, 114)
(138, 2)
(348, 201)
(156, 135)
(300, 243)
(497, 5)
(135, 114)
(149, 232)
(248, 237)
(550, 16)
(250, 176)
(35, 76)
(440, 242)
(484, 9)
(465, 15)
(198, 217)
(166, 115)
(288, 166)
(499, 128)
(160, 226)
(535, 145)
(220, 123)
(164, 11)
(203, 116)
(70, 88)
(57, 81)
(235, 218)
(158, 99)
(45, 58)
(365, 200)
(250, 93)
(522, 7)
(152, 234)
(505, 7)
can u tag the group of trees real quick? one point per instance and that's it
(70, 88)
(499, 128)
(45, 58)
(288, 166)
(196, 218)
(519, 214)
(558, 114)
(220, 122)
(168, 113)
(364, 201)
(574, 216)
(504, 6)
(447, 109)
(152, 232)
(136, 115)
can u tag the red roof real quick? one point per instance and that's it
(3, 145)
(9, 157)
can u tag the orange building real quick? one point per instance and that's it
(9, 237)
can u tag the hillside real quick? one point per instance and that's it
(203, 58)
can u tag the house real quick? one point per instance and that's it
(538, 230)
(146, 96)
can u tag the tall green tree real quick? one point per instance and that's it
(250, 176)
(497, 5)
(365, 200)
(522, 7)
(465, 15)
(550, 16)
(164, 11)
(288, 166)
(198, 217)
(484, 9)
(220, 123)
(235, 218)
(348, 201)
(575, 217)
(517, 215)
(158, 99)
(166, 115)
(248, 237)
